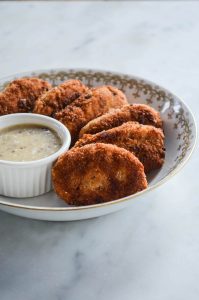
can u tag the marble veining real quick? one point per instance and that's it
(150, 250)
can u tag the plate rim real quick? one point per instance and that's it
(124, 199)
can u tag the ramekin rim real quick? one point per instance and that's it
(65, 146)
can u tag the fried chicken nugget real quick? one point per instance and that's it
(21, 94)
(140, 113)
(97, 102)
(59, 97)
(145, 141)
(80, 177)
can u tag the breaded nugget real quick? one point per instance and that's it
(145, 141)
(97, 102)
(59, 97)
(97, 173)
(21, 94)
(140, 113)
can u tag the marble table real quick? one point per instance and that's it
(151, 250)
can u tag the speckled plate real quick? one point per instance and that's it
(180, 134)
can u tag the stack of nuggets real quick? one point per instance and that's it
(115, 144)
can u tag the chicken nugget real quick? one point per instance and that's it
(59, 97)
(97, 173)
(145, 141)
(21, 94)
(98, 101)
(140, 113)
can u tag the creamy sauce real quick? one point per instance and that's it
(28, 142)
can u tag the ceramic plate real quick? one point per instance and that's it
(180, 138)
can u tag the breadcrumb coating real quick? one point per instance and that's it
(97, 173)
(95, 103)
(59, 97)
(140, 113)
(20, 95)
(145, 141)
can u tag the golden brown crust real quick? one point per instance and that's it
(21, 94)
(145, 141)
(59, 97)
(97, 102)
(140, 113)
(97, 173)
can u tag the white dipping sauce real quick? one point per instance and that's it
(28, 142)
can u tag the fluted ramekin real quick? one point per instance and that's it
(31, 178)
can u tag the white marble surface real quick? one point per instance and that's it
(151, 250)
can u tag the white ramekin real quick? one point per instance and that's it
(32, 178)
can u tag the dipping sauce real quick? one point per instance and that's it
(28, 142)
